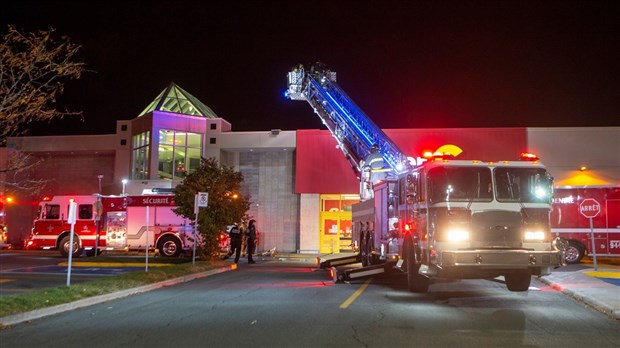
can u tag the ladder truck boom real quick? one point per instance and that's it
(354, 131)
(437, 218)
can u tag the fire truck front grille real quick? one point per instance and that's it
(496, 229)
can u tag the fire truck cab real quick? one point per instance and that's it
(460, 219)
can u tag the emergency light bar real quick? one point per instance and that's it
(527, 156)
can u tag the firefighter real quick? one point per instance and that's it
(235, 243)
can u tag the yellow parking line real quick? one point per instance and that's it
(113, 264)
(355, 295)
(5, 280)
(600, 274)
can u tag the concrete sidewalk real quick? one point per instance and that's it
(589, 286)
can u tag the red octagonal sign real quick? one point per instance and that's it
(589, 207)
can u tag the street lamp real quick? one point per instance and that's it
(124, 183)
(99, 177)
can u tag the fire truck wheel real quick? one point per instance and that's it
(366, 250)
(363, 249)
(574, 253)
(64, 246)
(169, 247)
(518, 280)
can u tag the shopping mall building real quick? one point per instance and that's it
(300, 186)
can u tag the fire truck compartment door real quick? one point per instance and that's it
(116, 229)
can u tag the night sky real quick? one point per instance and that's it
(407, 64)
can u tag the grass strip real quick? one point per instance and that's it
(47, 297)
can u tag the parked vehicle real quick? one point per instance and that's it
(568, 223)
(111, 223)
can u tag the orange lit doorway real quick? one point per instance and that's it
(336, 226)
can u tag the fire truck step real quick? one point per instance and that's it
(328, 261)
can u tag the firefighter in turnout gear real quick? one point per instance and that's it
(235, 242)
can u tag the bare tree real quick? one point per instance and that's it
(33, 68)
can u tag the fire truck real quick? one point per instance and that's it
(3, 233)
(568, 223)
(434, 217)
(111, 223)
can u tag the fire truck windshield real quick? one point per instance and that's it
(526, 185)
(473, 184)
(460, 184)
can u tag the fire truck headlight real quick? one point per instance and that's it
(534, 236)
(541, 193)
(457, 235)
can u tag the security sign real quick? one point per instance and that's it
(589, 208)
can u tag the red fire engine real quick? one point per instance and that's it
(568, 223)
(111, 223)
(3, 234)
(442, 218)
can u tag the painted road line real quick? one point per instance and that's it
(113, 264)
(610, 277)
(603, 274)
(355, 295)
(6, 280)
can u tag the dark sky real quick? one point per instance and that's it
(407, 64)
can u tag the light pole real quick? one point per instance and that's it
(99, 177)
(124, 183)
(98, 211)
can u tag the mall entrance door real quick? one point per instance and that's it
(336, 225)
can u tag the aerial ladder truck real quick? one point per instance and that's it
(434, 217)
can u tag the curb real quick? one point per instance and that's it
(600, 306)
(44, 312)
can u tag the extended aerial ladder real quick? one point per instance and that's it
(357, 135)
(368, 149)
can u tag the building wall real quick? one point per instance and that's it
(564, 150)
(287, 216)
(268, 180)
(309, 229)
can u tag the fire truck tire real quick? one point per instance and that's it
(64, 246)
(368, 258)
(518, 280)
(574, 253)
(364, 249)
(169, 247)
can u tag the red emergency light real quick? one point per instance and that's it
(437, 156)
(528, 156)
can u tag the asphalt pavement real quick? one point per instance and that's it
(598, 288)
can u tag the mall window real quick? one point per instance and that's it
(178, 153)
(140, 156)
